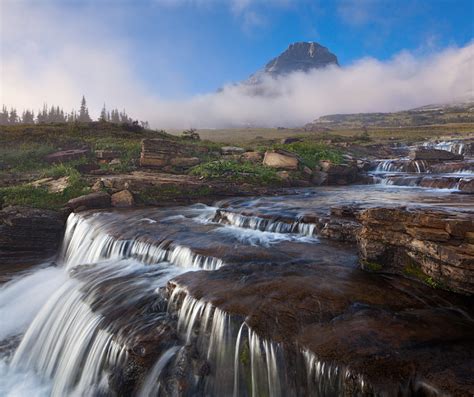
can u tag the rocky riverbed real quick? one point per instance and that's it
(326, 291)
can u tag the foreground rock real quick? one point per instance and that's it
(368, 328)
(90, 201)
(432, 245)
(29, 235)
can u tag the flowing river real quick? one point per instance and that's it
(106, 318)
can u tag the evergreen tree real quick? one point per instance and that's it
(103, 114)
(4, 116)
(13, 118)
(115, 118)
(83, 116)
(28, 117)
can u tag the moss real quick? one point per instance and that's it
(371, 266)
(413, 270)
(245, 354)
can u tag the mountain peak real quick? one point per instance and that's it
(300, 56)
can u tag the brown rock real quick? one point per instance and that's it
(185, 161)
(29, 235)
(427, 233)
(122, 199)
(434, 155)
(66, 155)
(107, 154)
(89, 201)
(282, 160)
(467, 186)
(254, 157)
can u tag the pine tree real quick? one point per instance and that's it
(4, 116)
(103, 115)
(13, 118)
(84, 112)
(115, 116)
(28, 117)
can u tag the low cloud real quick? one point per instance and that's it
(366, 86)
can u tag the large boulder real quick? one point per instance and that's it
(90, 201)
(281, 159)
(434, 155)
(339, 174)
(122, 199)
(29, 235)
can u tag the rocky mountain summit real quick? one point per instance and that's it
(300, 56)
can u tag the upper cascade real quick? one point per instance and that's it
(300, 56)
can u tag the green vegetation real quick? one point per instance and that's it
(312, 152)
(413, 270)
(236, 171)
(372, 266)
(40, 197)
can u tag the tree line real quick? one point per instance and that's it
(55, 114)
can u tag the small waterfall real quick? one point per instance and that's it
(451, 146)
(87, 241)
(391, 166)
(264, 224)
(242, 363)
(325, 379)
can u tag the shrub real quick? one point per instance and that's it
(312, 152)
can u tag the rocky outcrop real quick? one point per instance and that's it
(434, 155)
(94, 200)
(339, 174)
(161, 153)
(281, 159)
(431, 245)
(29, 235)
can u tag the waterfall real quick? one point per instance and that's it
(325, 379)
(451, 146)
(264, 224)
(88, 241)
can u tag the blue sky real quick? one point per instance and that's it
(183, 47)
(163, 58)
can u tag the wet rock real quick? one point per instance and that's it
(122, 199)
(431, 245)
(281, 159)
(226, 150)
(29, 235)
(339, 174)
(90, 201)
(434, 155)
(466, 186)
(66, 155)
(319, 178)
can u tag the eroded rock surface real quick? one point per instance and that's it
(429, 244)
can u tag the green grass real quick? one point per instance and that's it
(236, 171)
(40, 197)
(312, 152)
